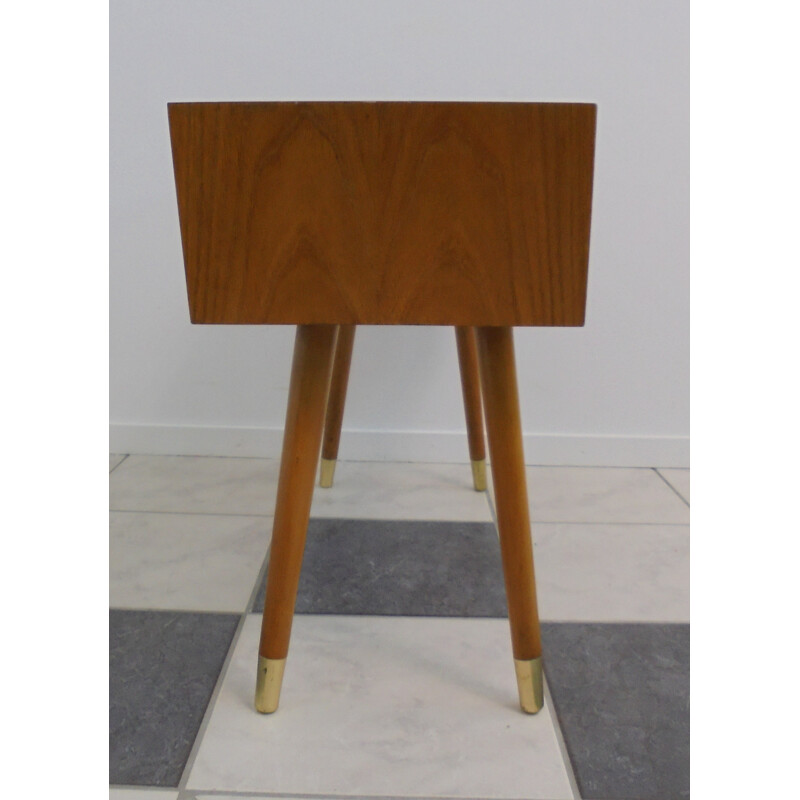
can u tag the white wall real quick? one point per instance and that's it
(614, 392)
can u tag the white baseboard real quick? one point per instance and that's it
(427, 446)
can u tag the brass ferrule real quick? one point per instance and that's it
(530, 684)
(268, 683)
(479, 475)
(327, 467)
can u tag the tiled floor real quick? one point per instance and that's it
(399, 682)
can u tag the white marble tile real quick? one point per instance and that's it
(602, 494)
(192, 562)
(387, 490)
(113, 460)
(143, 793)
(399, 706)
(195, 484)
(612, 573)
(679, 480)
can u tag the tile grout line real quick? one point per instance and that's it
(202, 793)
(683, 499)
(404, 519)
(190, 513)
(160, 610)
(562, 745)
(121, 461)
(276, 458)
(218, 685)
(535, 522)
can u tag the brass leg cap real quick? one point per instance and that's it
(530, 684)
(479, 475)
(268, 683)
(326, 469)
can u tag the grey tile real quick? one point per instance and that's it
(400, 568)
(163, 668)
(114, 461)
(621, 693)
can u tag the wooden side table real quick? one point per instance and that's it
(327, 215)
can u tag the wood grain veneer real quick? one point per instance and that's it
(385, 212)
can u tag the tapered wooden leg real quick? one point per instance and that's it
(471, 389)
(501, 403)
(308, 389)
(336, 398)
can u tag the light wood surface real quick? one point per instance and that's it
(504, 431)
(308, 390)
(385, 212)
